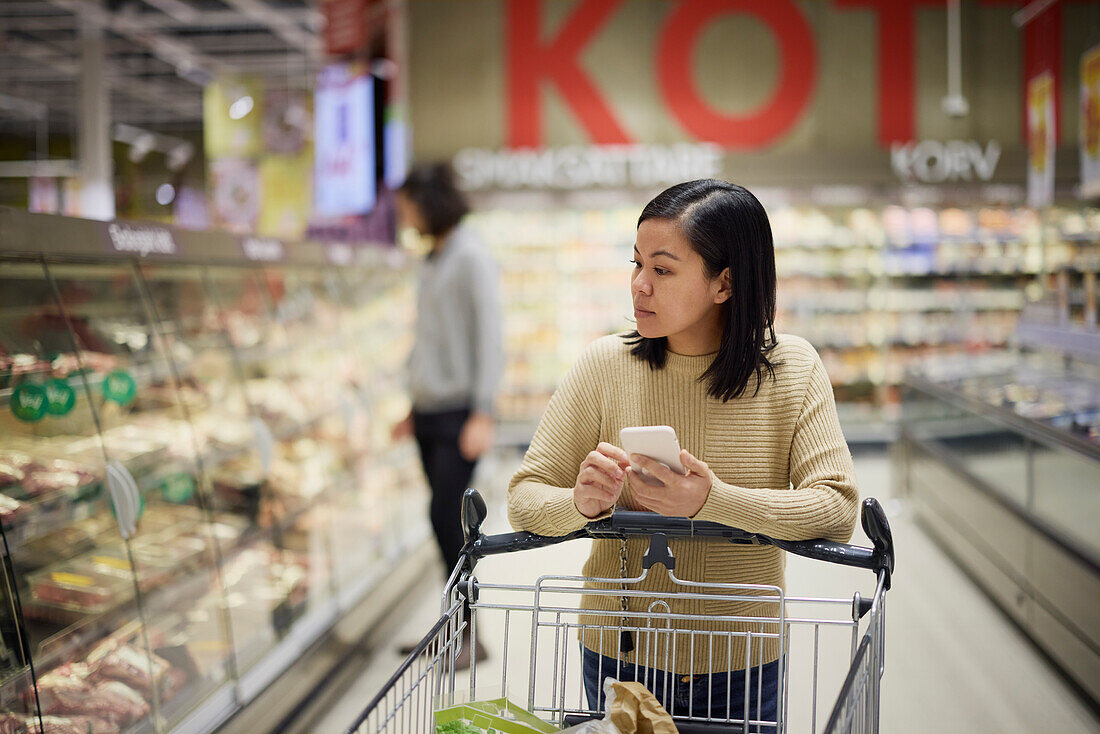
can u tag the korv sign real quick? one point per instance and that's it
(140, 239)
(933, 161)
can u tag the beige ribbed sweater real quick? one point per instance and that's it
(757, 447)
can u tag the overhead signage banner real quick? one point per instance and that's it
(231, 118)
(344, 141)
(285, 209)
(395, 150)
(345, 26)
(1040, 140)
(1090, 123)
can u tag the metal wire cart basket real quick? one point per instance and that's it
(537, 628)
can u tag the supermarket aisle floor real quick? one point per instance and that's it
(954, 663)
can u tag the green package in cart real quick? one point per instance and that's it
(498, 715)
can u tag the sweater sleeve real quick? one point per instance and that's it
(824, 500)
(488, 343)
(540, 495)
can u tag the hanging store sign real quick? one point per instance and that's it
(932, 161)
(141, 240)
(395, 147)
(344, 141)
(1040, 140)
(346, 29)
(1090, 123)
(235, 193)
(583, 167)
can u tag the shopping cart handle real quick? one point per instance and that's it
(632, 524)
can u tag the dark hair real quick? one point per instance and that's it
(431, 188)
(729, 228)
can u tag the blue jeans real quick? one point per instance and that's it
(688, 695)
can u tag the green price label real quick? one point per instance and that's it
(119, 387)
(178, 488)
(29, 402)
(60, 397)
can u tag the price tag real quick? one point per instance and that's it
(60, 397)
(178, 488)
(29, 402)
(120, 563)
(119, 387)
(71, 579)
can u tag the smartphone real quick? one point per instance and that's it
(657, 442)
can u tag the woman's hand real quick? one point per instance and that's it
(402, 430)
(600, 480)
(677, 495)
(476, 437)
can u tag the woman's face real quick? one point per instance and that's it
(673, 296)
(408, 214)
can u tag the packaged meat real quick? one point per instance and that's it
(181, 551)
(152, 568)
(56, 476)
(79, 587)
(71, 690)
(70, 725)
(14, 466)
(122, 704)
(94, 725)
(129, 665)
(10, 474)
(55, 546)
(64, 689)
(12, 724)
(41, 483)
(11, 509)
(66, 364)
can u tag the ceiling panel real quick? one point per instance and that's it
(159, 52)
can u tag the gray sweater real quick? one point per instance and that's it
(458, 356)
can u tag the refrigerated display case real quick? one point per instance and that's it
(196, 474)
(1001, 458)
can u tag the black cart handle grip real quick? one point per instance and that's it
(632, 524)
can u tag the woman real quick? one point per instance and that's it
(457, 357)
(755, 416)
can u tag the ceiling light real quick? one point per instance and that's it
(166, 194)
(141, 146)
(241, 107)
(179, 156)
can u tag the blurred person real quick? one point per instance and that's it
(457, 357)
(763, 449)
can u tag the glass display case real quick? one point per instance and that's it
(1001, 458)
(196, 474)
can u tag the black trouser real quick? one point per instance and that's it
(448, 475)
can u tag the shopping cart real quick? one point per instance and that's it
(807, 631)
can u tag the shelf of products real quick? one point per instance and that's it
(875, 290)
(1001, 457)
(251, 403)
